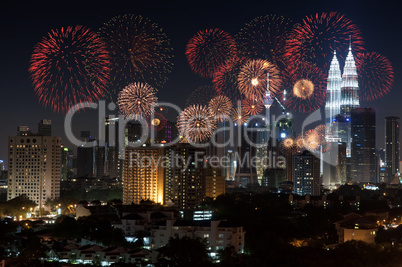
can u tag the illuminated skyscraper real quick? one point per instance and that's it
(34, 167)
(306, 167)
(184, 176)
(363, 156)
(142, 175)
(349, 98)
(333, 103)
(392, 147)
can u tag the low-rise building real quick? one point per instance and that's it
(356, 227)
(218, 234)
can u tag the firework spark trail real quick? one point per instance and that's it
(137, 100)
(226, 79)
(313, 39)
(208, 50)
(305, 88)
(220, 107)
(69, 66)
(265, 38)
(376, 75)
(196, 124)
(140, 51)
(253, 79)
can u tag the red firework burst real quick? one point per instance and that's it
(226, 79)
(208, 50)
(253, 79)
(69, 66)
(137, 100)
(376, 75)
(265, 38)
(305, 88)
(313, 39)
(252, 107)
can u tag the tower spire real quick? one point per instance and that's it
(350, 42)
(334, 47)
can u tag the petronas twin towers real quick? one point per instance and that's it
(342, 97)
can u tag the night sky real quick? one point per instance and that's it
(23, 23)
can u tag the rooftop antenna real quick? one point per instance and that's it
(334, 47)
(350, 42)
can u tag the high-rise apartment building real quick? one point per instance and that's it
(392, 147)
(363, 156)
(184, 176)
(215, 183)
(34, 167)
(143, 175)
(306, 167)
(67, 155)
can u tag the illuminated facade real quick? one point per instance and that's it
(142, 175)
(34, 167)
(306, 175)
(392, 158)
(184, 176)
(215, 183)
(333, 103)
(363, 154)
(349, 99)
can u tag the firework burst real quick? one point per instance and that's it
(137, 100)
(253, 79)
(226, 79)
(313, 39)
(156, 120)
(69, 66)
(289, 146)
(208, 50)
(314, 140)
(196, 124)
(305, 88)
(376, 75)
(239, 115)
(139, 50)
(201, 96)
(265, 38)
(252, 107)
(220, 107)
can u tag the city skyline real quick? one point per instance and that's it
(181, 78)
